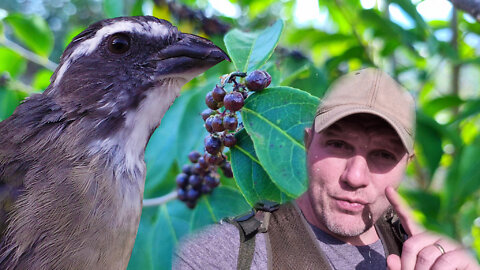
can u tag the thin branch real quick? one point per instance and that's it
(160, 200)
(31, 56)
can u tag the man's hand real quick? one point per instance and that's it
(425, 250)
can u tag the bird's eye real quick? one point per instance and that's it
(119, 43)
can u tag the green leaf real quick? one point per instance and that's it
(471, 108)
(113, 8)
(469, 182)
(223, 202)
(250, 51)
(251, 178)
(42, 79)
(33, 31)
(11, 62)
(438, 104)
(137, 8)
(172, 225)
(275, 120)
(9, 100)
(429, 138)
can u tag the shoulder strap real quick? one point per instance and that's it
(248, 226)
(291, 244)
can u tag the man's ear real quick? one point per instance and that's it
(307, 137)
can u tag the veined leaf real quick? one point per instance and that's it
(250, 176)
(250, 51)
(275, 120)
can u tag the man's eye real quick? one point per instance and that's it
(337, 144)
(384, 155)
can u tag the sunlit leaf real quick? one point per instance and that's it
(42, 79)
(33, 31)
(11, 62)
(249, 51)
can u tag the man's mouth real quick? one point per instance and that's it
(350, 205)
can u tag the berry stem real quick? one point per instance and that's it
(160, 200)
(231, 77)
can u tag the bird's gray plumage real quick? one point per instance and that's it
(71, 159)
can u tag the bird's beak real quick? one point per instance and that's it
(189, 56)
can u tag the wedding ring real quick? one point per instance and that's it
(437, 245)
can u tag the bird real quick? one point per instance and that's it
(72, 167)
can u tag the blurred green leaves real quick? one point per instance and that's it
(33, 31)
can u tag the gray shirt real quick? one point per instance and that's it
(216, 247)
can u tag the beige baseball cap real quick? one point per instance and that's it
(369, 91)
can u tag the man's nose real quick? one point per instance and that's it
(356, 173)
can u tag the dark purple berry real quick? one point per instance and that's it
(213, 145)
(211, 103)
(213, 159)
(227, 169)
(197, 169)
(258, 80)
(245, 94)
(206, 113)
(206, 189)
(187, 169)
(230, 122)
(218, 93)
(182, 194)
(191, 204)
(233, 101)
(202, 163)
(193, 194)
(217, 123)
(229, 140)
(195, 181)
(208, 124)
(182, 180)
(194, 156)
(212, 181)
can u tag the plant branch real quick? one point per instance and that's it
(31, 56)
(471, 7)
(160, 200)
(455, 85)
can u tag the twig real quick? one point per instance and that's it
(160, 200)
(31, 56)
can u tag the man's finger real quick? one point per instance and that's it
(403, 212)
(394, 262)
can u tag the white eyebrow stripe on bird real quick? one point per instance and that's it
(86, 47)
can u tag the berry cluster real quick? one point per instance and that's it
(221, 122)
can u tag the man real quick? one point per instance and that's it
(357, 151)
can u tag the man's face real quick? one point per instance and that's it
(350, 164)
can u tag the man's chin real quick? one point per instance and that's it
(345, 225)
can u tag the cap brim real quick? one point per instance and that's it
(329, 117)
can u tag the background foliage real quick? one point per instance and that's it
(435, 59)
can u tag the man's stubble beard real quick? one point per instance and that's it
(338, 226)
(347, 229)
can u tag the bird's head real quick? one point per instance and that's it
(122, 66)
